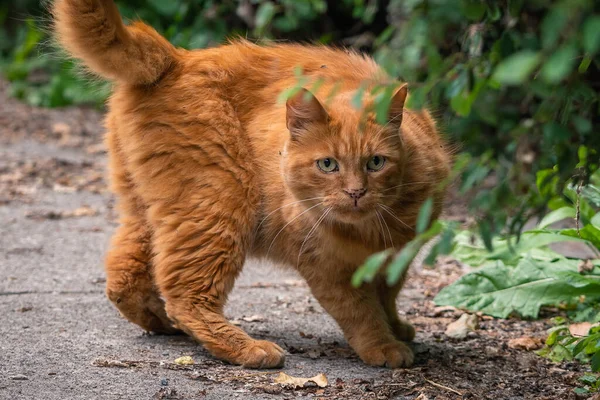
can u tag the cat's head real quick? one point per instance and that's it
(334, 156)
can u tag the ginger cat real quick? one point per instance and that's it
(209, 169)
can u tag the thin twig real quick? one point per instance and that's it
(443, 387)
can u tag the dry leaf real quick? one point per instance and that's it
(585, 266)
(580, 330)
(526, 343)
(84, 211)
(459, 328)
(440, 310)
(254, 318)
(284, 379)
(185, 360)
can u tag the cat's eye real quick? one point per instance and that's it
(328, 165)
(376, 163)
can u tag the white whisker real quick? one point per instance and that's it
(389, 233)
(312, 230)
(391, 212)
(382, 231)
(286, 205)
(286, 225)
(408, 183)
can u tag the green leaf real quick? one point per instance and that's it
(596, 362)
(265, 13)
(424, 215)
(369, 269)
(557, 215)
(499, 290)
(515, 69)
(560, 64)
(357, 99)
(591, 34)
(588, 232)
(473, 9)
(403, 259)
(596, 220)
(471, 250)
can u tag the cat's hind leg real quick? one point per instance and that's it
(196, 178)
(129, 282)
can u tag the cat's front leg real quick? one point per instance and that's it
(401, 329)
(361, 315)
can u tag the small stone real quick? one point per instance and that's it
(19, 378)
(165, 353)
(164, 382)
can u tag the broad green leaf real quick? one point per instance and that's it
(596, 362)
(499, 290)
(552, 25)
(591, 34)
(596, 220)
(591, 193)
(588, 232)
(516, 68)
(560, 64)
(557, 215)
(470, 250)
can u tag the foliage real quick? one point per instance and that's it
(525, 275)
(539, 278)
(40, 75)
(562, 345)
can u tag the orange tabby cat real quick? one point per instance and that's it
(209, 169)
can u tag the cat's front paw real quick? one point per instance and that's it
(391, 355)
(262, 354)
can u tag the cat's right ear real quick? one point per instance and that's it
(303, 109)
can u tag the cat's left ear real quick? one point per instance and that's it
(397, 106)
(303, 109)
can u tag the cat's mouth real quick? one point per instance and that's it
(353, 213)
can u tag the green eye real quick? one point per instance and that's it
(376, 163)
(327, 165)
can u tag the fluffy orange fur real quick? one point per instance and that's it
(209, 169)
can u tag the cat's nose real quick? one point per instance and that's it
(355, 193)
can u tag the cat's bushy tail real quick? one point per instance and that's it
(93, 31)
